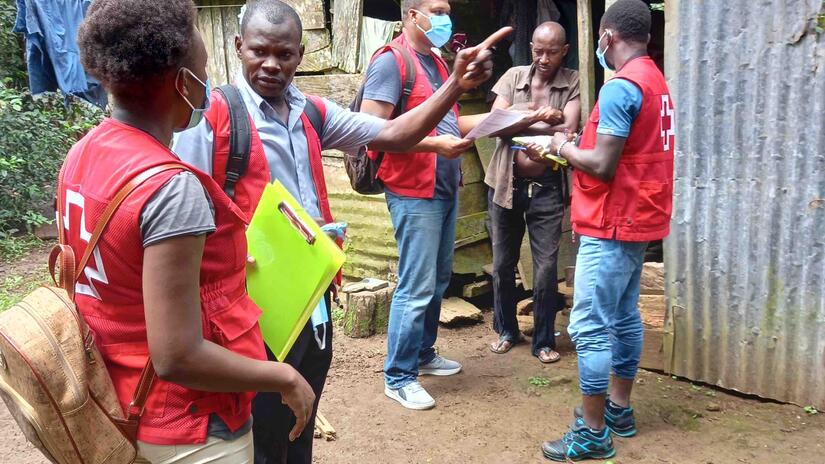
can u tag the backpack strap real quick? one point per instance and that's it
(316, 112)
(240, 138)
(69, 274)
(408, 75)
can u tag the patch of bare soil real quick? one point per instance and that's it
(493, 413)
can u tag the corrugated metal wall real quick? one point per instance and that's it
(746, 258)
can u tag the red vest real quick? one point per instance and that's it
(412, 174)
(636, 205)
(249, 188)
(110, 293)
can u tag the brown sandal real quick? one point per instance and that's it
(548, 356)
(501, 346)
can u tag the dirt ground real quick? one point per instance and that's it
(501, 407)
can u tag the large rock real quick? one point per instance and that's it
(456, 310)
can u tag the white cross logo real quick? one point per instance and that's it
(92, 273)
(667, 112)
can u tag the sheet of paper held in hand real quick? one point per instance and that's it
(497, 120)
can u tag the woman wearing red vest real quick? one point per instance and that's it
(167, 278)
(622, 198)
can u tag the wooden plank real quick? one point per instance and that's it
(485, 148)
(346, 30)
(472, 199)
(315, 40)
(311, 13)
(320, 60)
(205, 28)
(608, 74)
(471, 167)
(340, 88)
(231, 29)
(218, 53)
(471, 225)
(587, 80)
(475, 289)
(672, 62)
(470, 259)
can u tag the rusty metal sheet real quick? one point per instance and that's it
(746, 256)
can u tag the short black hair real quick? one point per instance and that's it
(407, 5)
(275, 11)
(630, 18)
(124, 42)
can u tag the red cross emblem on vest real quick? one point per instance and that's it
(666, 123)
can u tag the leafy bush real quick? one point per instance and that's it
(36, 134)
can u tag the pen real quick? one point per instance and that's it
(515, 147)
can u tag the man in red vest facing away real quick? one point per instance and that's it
(622, 197)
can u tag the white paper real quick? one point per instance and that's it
(496, 121)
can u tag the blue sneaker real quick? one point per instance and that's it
(580, 443)
(618, 419)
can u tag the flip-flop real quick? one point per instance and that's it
(502, 346)
(550, 357)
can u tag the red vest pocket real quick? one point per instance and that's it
(589, 199)
(652, 203)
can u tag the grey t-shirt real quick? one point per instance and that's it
(180, 207)
(384, 84)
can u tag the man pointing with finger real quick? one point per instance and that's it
(421, 189)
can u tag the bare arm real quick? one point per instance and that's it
(472, 67)
(180, 354)
(571, 113)
(600, 162)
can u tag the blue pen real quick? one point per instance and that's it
(516, 147)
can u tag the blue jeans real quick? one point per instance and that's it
(605, 323)
(425, 233)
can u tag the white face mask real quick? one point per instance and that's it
(197, 113)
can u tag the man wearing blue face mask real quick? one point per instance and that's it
(421, 189)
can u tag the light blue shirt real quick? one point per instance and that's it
(619, 103)
(285, 145)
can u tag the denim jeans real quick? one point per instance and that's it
(605, 323)
(540, 208)
(425, 233)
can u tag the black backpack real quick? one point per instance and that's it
(240, 134)
(361, 169)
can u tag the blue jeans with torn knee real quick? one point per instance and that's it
(605, 324)
(425, 233)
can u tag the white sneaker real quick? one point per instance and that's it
(440, 366)
(411, 396)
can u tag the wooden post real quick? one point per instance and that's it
(608, 74)
(587, 80)
(346, 33)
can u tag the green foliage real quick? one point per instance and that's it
(657, 6)
(12, 57)
(14, 246)
(37, 133)
(539, 381)
(810, 410)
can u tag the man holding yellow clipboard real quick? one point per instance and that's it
(270, 50)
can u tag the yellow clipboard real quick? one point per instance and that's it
(295, 262)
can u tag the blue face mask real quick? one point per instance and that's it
(197, 113)
(600, 53)
(441, 29)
